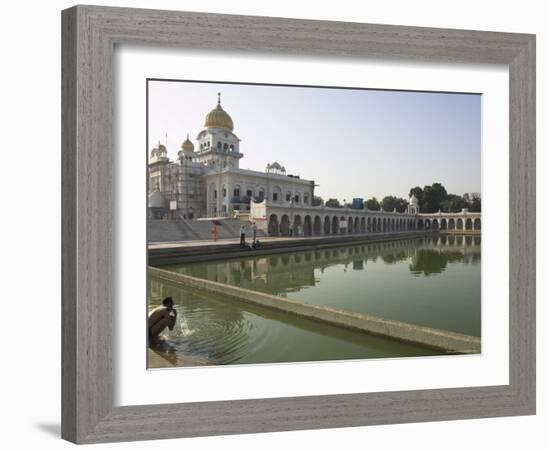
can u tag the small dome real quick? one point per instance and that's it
(218, 118)
(156, 200)
(413, 201)
(158, 150)
(187, 144)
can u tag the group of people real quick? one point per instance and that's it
(254, 230)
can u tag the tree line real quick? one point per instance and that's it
(431, 199)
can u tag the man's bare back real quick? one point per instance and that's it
(160, 318)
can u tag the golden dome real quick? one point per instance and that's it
(187, 144)
(218, 118)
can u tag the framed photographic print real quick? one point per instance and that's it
(295, 224)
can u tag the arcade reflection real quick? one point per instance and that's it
(431, 282)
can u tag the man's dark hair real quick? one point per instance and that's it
(168, 301)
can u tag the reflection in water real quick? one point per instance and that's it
(432, 282)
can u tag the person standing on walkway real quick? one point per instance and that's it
(241, 232)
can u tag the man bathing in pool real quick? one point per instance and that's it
(160, 318)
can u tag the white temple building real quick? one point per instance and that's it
(208, 181)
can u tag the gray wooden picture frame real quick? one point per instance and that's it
(90, 34)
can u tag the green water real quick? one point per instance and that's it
(435, 283)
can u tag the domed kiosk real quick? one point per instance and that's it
(218, 144)
(187, 151)
(218, 118)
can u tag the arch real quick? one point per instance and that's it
(326, 225)
(273, 225)
(308, 226)
(427, 224)
(276, 194)
(420, 224)
(335, 225)
(363, 225)
(237, 191)
(459, 224)
(451, 224)
(317, 226)
(384, 225)
(350, 224)
(392, 225)
(379, 225)
(477, 224)
(261, 194)
(297, 226)
(356, 225)
(212, 194)
(435, 224)
(225, 146)
(285, 225)
(443, 225)
(469, 224)
(369, 225)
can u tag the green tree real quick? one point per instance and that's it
(389, 203)
(373, 204)
(475, 202)
(432, 198)
(332, 203)
(317, 201)
(453, 203)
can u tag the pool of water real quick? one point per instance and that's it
(212, 330)
(431, 282)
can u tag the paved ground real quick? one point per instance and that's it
(222, 242)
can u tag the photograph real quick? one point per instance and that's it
(291, 224)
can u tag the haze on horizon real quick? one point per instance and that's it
(352, 142)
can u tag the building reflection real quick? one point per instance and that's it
(290, 272)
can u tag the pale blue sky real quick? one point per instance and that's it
(352, 142)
